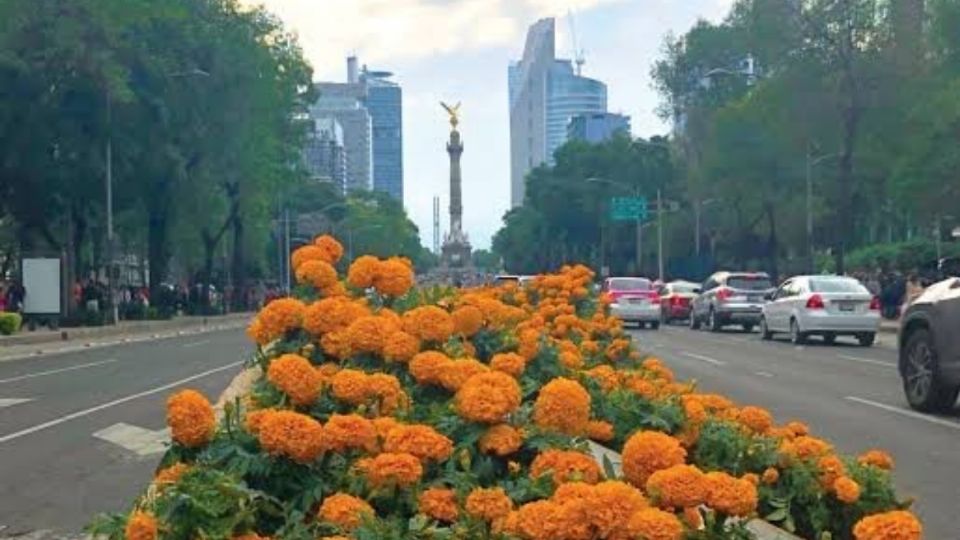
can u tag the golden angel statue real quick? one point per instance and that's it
(454, 112)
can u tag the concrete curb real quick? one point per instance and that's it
(128, 328)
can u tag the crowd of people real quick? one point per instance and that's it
(895, 289)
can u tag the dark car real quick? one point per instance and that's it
(730, 298)
(676, 299)
(930, 348)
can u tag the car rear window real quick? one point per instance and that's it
(749, 283)
(506, 279)
(683, 287)
(836, 285)
(630, 284)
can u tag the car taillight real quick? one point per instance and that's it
(655, 299)
(815, 302)
(676, 301)
(724, 294)
(875, 303)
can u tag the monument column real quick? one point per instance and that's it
(456, 247)
(455, 149)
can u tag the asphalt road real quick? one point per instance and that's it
(847, 394)
(54, 473)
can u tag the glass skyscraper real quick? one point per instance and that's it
(385, 104)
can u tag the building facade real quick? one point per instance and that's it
(545, 93)
(344, 102)
(384, 102)
(323, 153)
(597, 127)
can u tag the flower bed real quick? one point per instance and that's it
(386, 412)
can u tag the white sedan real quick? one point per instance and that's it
(826, 306)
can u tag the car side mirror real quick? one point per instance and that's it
(768, 296)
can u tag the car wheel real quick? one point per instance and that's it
(866, 339)
(796, 336)
(765, 333)
(694, 321)
(922, 385)
(829, 339)
(713, 322)
(655, 325)
(748, 328)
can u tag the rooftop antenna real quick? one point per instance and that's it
(579, 55)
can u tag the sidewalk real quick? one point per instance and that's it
(889, 327)
(124, 329)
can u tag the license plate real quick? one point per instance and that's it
(635, 300)
(848, 307)
(754, 298)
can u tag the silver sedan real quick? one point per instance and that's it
(827, 306)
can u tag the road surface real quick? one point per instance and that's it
(847, 394)
(55, 473)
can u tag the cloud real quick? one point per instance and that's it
(396, 30)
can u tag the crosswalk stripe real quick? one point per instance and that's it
(138, 440)
(9, 402)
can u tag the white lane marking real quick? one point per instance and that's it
(10, 402)
(60, 370)
(766, 374)
(868, 361)
(196, 343)
(138, 440)
(904, 412)
(85, 412)
(706, 359)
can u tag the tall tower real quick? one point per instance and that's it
(456, 247)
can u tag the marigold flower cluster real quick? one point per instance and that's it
(564, 406)
(488, 397)
(296, 377)
(191, 419)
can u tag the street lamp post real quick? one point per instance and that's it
(811, 163)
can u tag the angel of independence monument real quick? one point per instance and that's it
(455, 253)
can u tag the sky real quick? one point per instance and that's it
(459, 50)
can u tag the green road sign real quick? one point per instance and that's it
(628, 208)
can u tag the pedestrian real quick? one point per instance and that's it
(913, 290)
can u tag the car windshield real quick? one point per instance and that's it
(629, 284)
(836, 285)
(749, 283)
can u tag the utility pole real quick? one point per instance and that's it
(810, 267)
(696, 219)
(286, 247)
(111, 286)
(660, 234)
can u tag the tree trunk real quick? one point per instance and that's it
(846, 217)
(239, 263)
(158, 254)
(773, 244)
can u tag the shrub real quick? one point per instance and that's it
(10, 323)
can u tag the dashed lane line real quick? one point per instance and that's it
(10, 402)
(904, 412)
(55, 371)
(195, 344)
(766, 374)
(85, 412)
(870, 361)
(702, 358)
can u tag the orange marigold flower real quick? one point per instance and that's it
(488, 503)
(600, 431)
(276, 319)
(345, 511)
(250, 536)
(384, 425)
(332, 314)
(756, 419)
(509, 363)
(393, 278)
(392, 469)
(540, 520)
(255, 418)
(566, 466)
(427, 366)
(349, 431)
(363, 270)
(649, 451)
(713, 402)
(605, 376)
(419, 440)
(831, 468)
(680, 486)
(770, 476)
(693, 518)
(729, 495)
(454, 374)
(488, 397)
(655, 524)
(439, 504)
(571, 360)
(400, 347)
(847, 490)
(805, 447)
(141, 526)
(876, 458)
(799, 429)
(171, 474)
(350, 386)
(296, 377)
(501, 440)
(612, 505)
(320, 274)
(191, 419)
(306, 253)
(570, 491)
(563, 405)
(332, 249)
(753, 478)
(336, 344)
(429, 323)
(293, 435)
(694, 410)
(640, 386)
(656, 366)
(894, 525)
(366, 334)
(388, 392)
(467, 320)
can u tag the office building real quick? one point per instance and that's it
(598, 127)
(344, 102)
(545, 93)
(384, 102)
(323, 152)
